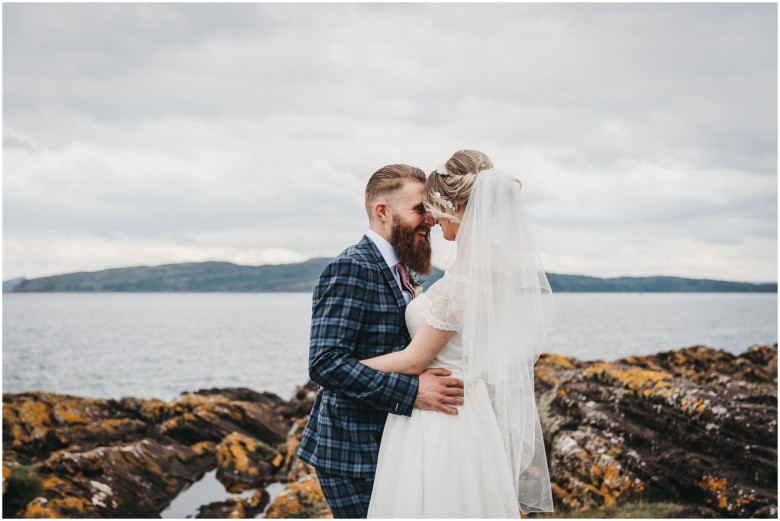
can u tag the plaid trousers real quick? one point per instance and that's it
(348, 498)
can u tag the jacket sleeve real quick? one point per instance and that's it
(337, 315)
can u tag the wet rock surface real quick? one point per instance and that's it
(696, 427)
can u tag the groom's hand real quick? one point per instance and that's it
(439, 393)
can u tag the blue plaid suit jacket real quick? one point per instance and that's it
(357, 312)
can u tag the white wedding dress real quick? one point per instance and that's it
(436, 465)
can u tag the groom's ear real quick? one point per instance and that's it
(382, 212)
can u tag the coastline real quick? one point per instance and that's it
(695, 427)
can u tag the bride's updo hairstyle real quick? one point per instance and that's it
(449, 186)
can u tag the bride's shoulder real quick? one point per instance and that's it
(450, 285)
(447, 303)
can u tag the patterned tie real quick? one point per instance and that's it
(406, 284)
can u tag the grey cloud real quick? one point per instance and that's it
(585, 64)
(182, 119)
(12, 142)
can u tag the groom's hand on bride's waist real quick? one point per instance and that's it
(438, 392)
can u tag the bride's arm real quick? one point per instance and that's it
(425, 345)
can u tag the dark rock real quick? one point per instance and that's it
(128, 480)
(235, 508)
(35, 424)
(696, 427)
(199, 417)
(130, 457)
(767, 512)
(301, 402)
(242, 394)
(246, 462)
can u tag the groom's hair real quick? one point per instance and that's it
(388, 179)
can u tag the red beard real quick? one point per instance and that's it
(412, 249)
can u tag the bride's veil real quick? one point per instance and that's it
(506, 306)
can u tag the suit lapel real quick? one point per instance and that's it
(369, 246)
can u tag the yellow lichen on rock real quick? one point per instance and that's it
(173, 423)
(566, 497)
(302, 498)
(642, 361)
(655, 390)
(292, 449)
(52, 481)
(717, 488)
(17, 434)
(257, 499)
(549, 367)
(690, 403)
(206, 415)
(554, 359)
(634, 379)
(193, 401)
(594, 476)
(6, 475)
(546, 375)
(613, 483)
(35, 418)
(67, 507)
(233, 412)
(112, 424)
(70, 412)
(278, 460)
(239, 510)
(39, 509)
(285, 505)
(70, 505)
(233, 451)
(611, 478)
(204, 447)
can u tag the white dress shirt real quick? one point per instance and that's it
(391, 258)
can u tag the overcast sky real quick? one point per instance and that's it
(143, 134)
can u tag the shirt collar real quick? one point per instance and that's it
(385, 248)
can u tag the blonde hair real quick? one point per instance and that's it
(388, 179)
(450, 185)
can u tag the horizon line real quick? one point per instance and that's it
(321, 257)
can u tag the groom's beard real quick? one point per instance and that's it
(412, 249)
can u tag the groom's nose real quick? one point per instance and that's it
(429, 220)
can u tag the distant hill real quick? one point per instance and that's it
(9, 285)
(190, 277)
(581, 283)
(302, 276)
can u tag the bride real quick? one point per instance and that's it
(486, 320)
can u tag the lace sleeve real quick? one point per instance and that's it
(446, 311)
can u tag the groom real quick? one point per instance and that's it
(358, 312)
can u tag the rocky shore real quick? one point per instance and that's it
(695, 428)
